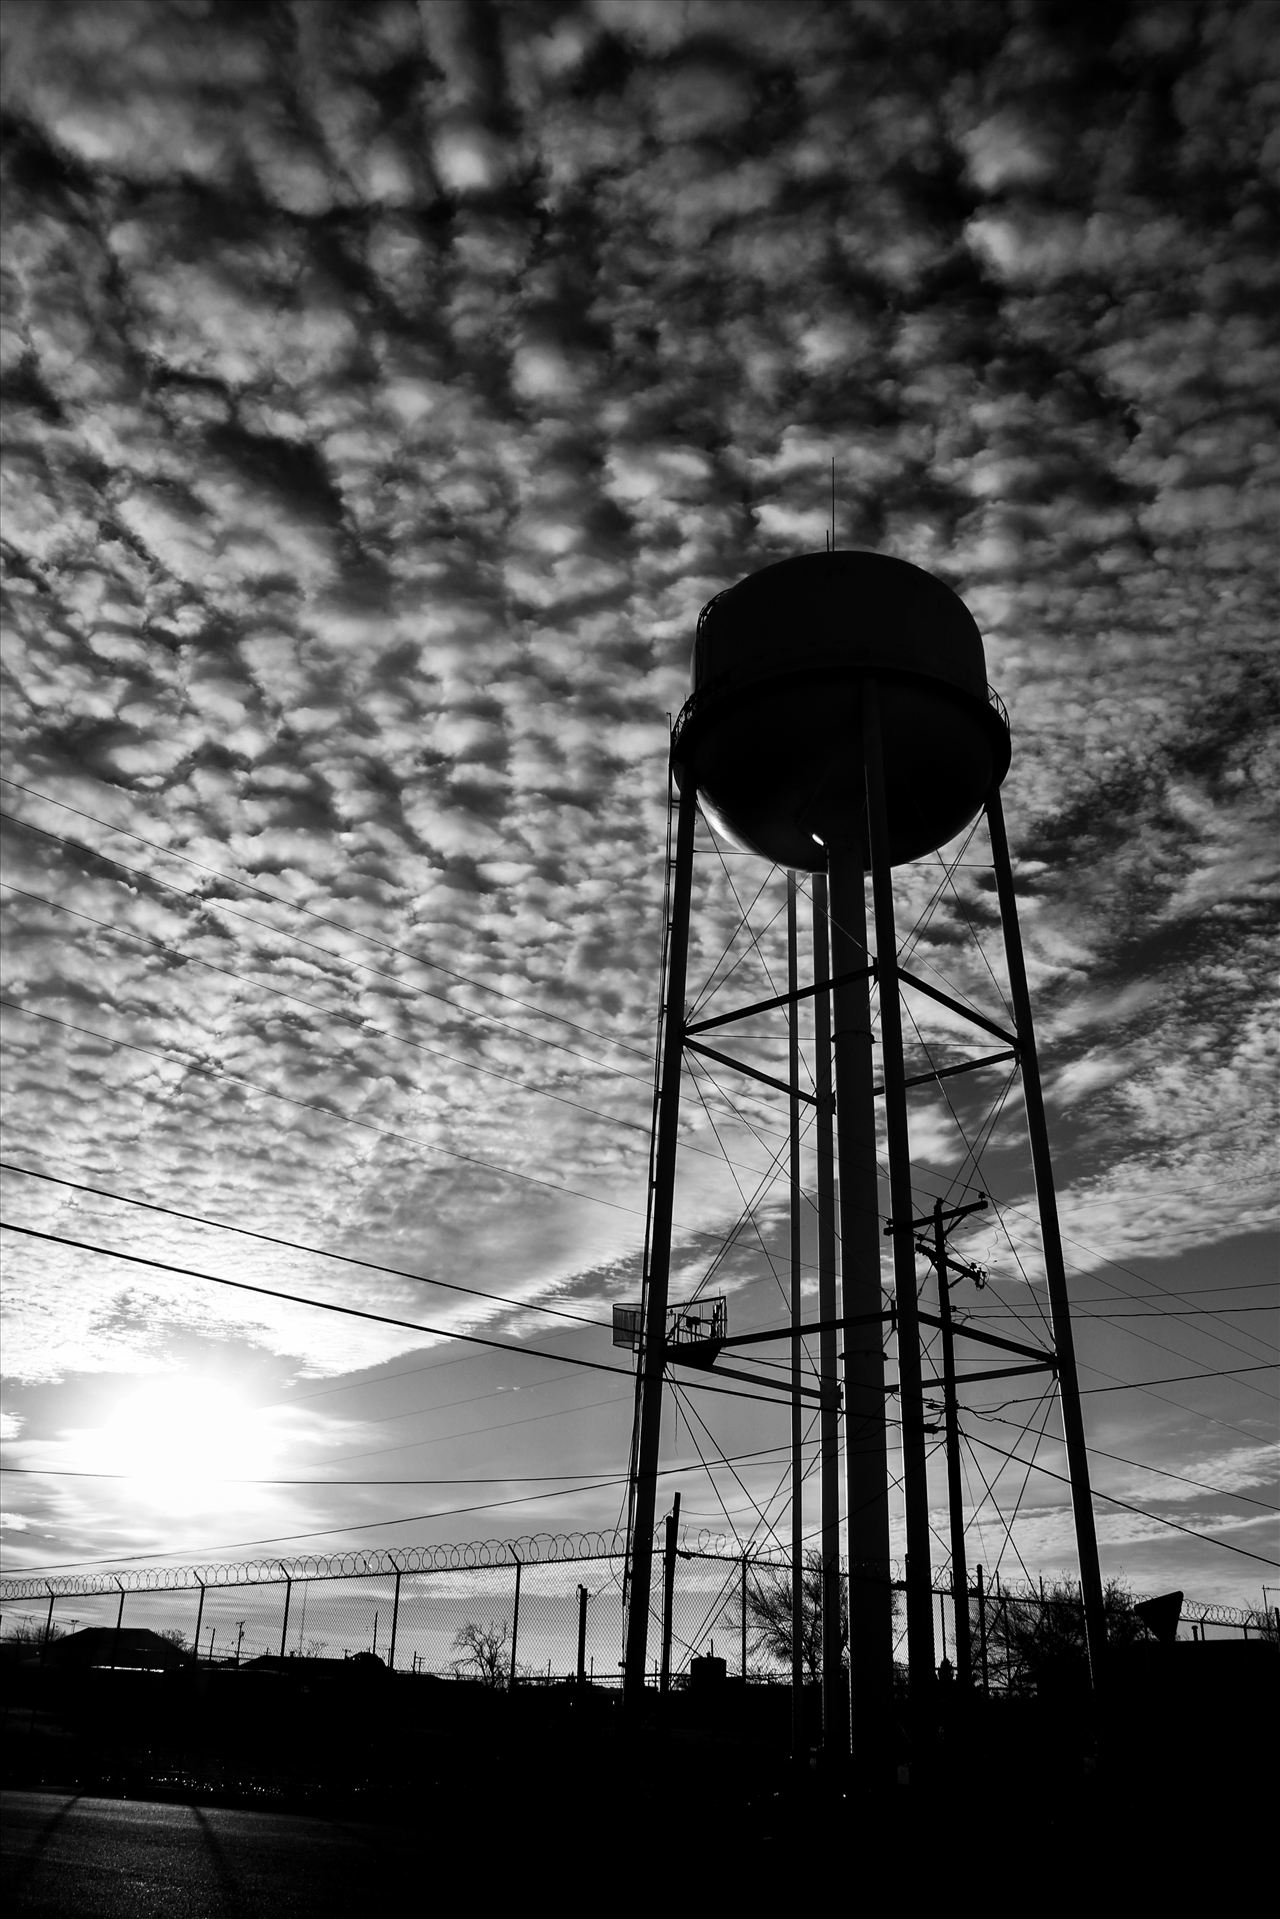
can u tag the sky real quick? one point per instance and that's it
(386, 390)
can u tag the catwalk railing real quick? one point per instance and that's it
(461, 1609)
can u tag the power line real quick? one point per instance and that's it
(493, 1431)
(360, 1312)
(293, 906)
(311, 1106)
(222, 1479)
(1181, 1312)
(295, 1246)
(358, 1021)
(389, 946)
(301, 1299)
(347, 1119)
(1101, 1259)
(1157, 1519)
(1189, 1292)
(1096, 1452)
(327, 1532)
(1160, 1345)
(1172, 1379)
(475, 1479)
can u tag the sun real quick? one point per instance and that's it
(184, 1436)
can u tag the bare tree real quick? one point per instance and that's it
(31, 1632)
(1039, 1641)
(480, 1652)
(769, 1619)
(1267, 1625)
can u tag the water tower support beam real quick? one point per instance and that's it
(1051, 1240)
(797, 1349)
(915, 1474)
(652, 1351)
(835, 1738)
(866, 1459)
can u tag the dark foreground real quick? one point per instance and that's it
(64, 1856)
(235, 1796)
(67, 1857)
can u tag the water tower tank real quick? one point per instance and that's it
(772, 730)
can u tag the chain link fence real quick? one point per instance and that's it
(554, 1605)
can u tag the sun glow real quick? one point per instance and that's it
(185, 1437)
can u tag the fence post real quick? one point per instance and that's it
(982, 1637)
(744, 1618)
(119, 1618)
(288, 1594)
(1008, 1652)
(395, 1618)
(515, 1620)
(582, 1635)
(48, 1624)
(195, 1643)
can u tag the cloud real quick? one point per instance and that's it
(386, 392)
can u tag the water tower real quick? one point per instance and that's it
(840, 724)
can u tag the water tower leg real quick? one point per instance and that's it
(866, 1462)
(797, 1350)
(835, 1726)
(655, 1326)
(1051, 1240)
(915, 1474)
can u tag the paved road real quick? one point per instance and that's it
(83, 1858)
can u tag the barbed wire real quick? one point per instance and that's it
(532, 1549)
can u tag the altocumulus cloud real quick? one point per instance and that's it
(387, 387)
